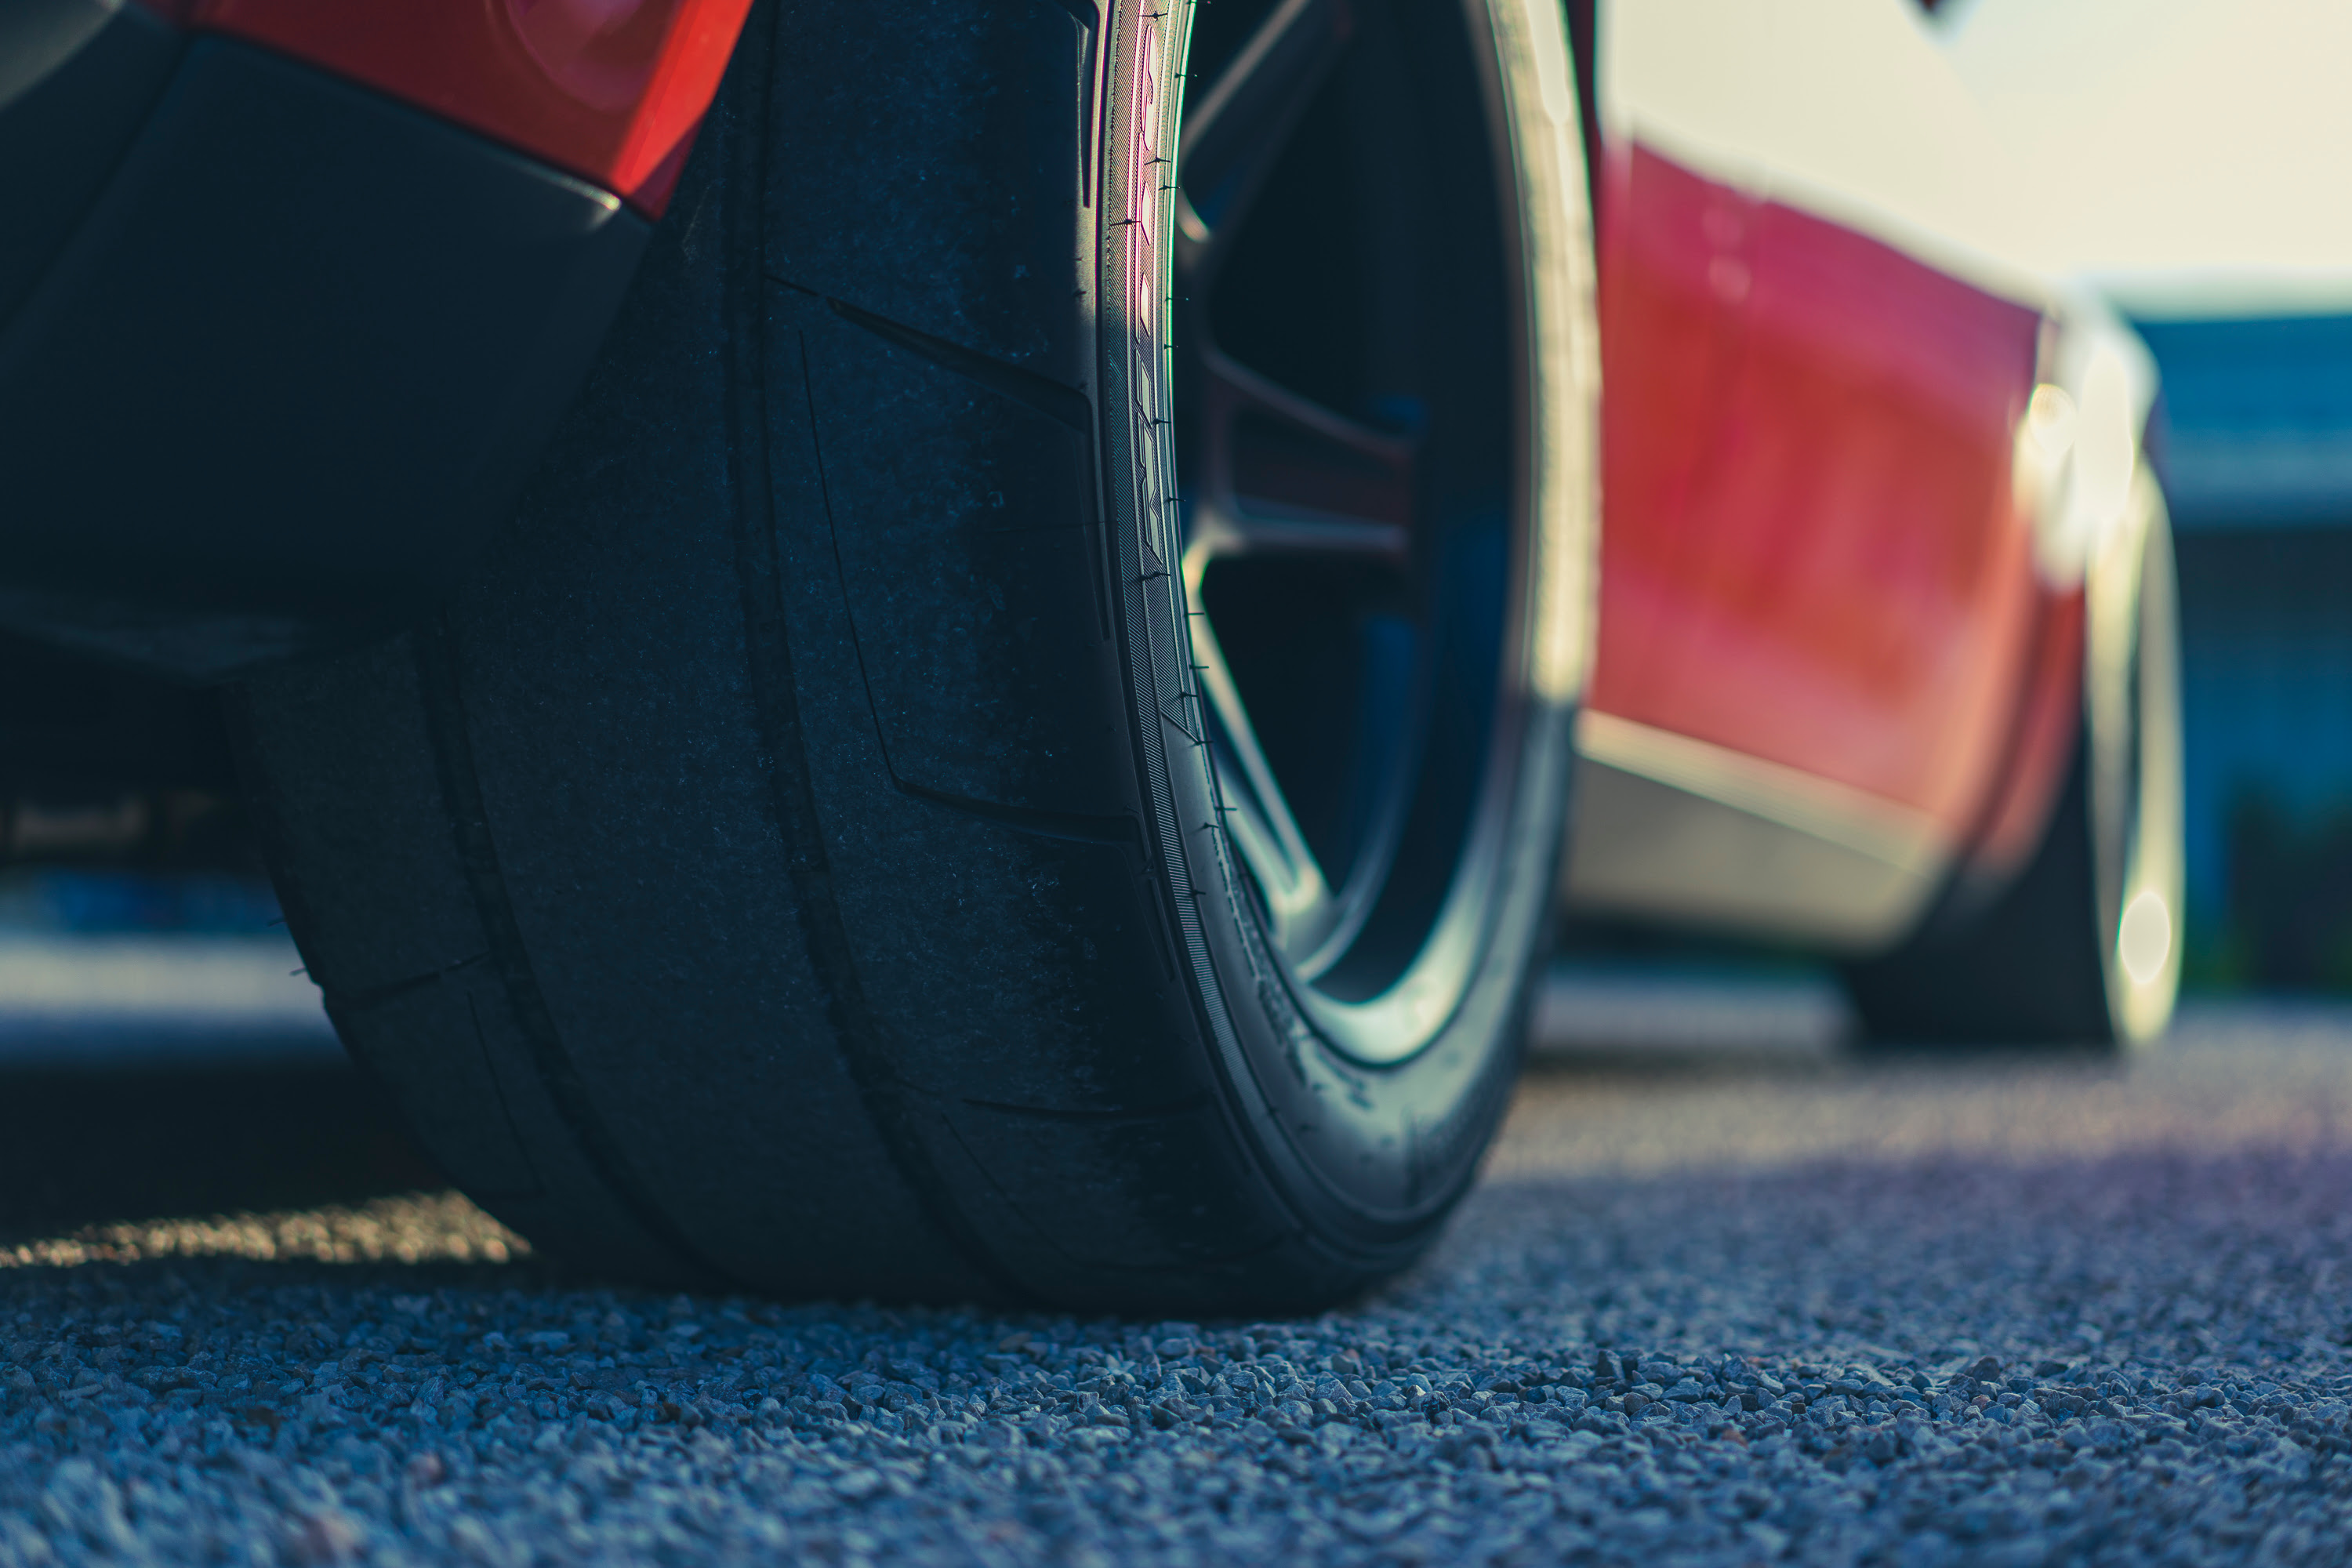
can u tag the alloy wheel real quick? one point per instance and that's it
(1348, 412)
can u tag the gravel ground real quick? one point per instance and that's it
(1705, 1310)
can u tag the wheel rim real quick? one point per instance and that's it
(1347, 426)
(2143, 908)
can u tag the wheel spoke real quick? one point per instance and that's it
(1257, 818)
(1348, 410)
(1232, 132)
(1278, 474)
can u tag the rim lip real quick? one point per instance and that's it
(2149, 713)
(1535, 153)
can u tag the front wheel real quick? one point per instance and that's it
(1017, 746)
(2084, 947)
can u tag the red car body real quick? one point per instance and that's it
(1814, 555)
(1840, 638)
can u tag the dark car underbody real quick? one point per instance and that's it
(276, 355)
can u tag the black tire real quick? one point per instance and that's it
(2083, 948)
(794, 863)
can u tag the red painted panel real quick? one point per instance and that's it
(611, 91)
(1810, 553)
(1671, 287)
(2048, 727)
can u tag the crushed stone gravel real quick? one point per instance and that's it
(1985, 1312)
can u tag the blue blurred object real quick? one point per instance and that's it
(2260, 414)
(2258, 471)
(101, 970)
(108, 903)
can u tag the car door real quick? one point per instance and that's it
(1818, 596)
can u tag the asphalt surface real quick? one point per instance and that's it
(1716, 1306)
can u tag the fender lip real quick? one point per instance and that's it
(290, 372)
(614, 95)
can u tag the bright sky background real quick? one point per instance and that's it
(2196, 156)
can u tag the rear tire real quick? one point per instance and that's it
(2084, 947)
(801, 861)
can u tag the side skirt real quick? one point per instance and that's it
(1669, 827)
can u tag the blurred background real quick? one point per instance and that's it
(134, 924)
(2185, 159)
(2189, 158)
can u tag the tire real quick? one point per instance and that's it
(814, 856)
(2084, 947)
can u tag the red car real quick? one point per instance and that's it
(962, 650)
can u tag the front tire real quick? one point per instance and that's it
(850, 842)
(2084, 947)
